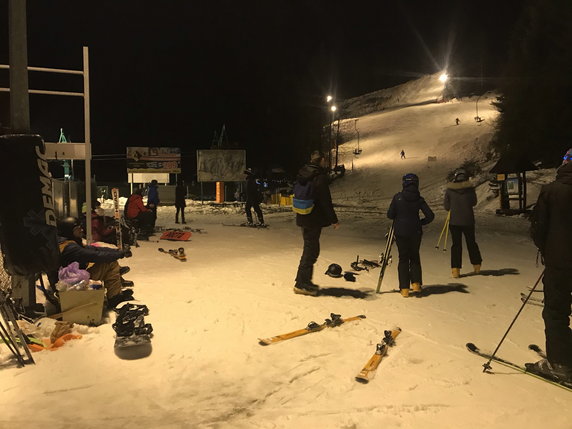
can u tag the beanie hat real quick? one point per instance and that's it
(567, 157)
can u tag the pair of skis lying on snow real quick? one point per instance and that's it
(368, 371)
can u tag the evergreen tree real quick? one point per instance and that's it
(536, 105)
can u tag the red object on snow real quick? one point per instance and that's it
(175, 235)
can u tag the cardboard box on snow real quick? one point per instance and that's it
(89, 304)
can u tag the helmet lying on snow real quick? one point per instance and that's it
(334, 270)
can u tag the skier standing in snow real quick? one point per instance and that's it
(180, 203)
(552, 234)
(404, 210)
(460, 198)
(253, 199)
(402, 154)
(100, 262)
(321, 215)
(153, 199)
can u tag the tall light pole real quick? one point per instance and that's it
(333, 109)
(19, 99)
(329, 102)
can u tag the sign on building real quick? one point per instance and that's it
(221, 165)
(153, 160)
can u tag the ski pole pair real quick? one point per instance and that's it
(445, 230)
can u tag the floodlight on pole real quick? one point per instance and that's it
(333, 108)
(444, 77)
(329, 98)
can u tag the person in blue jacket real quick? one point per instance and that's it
(404, 210)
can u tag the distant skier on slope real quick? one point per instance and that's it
(460, 198)
(552, 234)
(402, 154)
(404, 210)
(317, 213)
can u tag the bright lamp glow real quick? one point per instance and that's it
(443, 78)
(329, 98)
(333, 108)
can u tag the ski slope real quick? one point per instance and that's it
(207, 369)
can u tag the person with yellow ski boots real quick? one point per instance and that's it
(404, 210)
(460, 198)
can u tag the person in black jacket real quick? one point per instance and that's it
(552, 234)
(180, 203)
(100, 262)
(404, 210)
(460, 198)
(322, 215)
(253, 199)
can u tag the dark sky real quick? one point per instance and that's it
(170, 73)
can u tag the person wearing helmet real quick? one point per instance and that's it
(253, 199)
(404, 211)
(552, 234)
(100, 262)
(321, 215)
(460, 198)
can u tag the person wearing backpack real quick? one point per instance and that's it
(460, 198)
(552, 234)
(314, 210)
(404, 211)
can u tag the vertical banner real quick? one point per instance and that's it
(28, 233)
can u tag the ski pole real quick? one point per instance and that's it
(443, 230)
(446, 232)
(487, 365)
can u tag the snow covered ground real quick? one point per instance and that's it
(207, 369)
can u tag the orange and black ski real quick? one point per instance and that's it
(336, 320)
(368, 371)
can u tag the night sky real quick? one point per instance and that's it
(171, 73)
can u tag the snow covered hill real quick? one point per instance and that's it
(433, 146)
(207, 369)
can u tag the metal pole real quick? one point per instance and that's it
(87, 127)
(336, 140)
(487, 365)
(330, 147)
(19, 98)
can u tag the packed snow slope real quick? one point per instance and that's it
(432, 142)
(207, 369)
